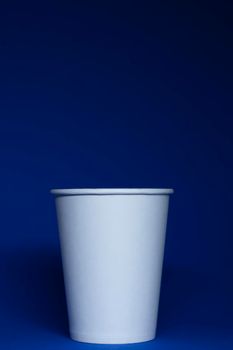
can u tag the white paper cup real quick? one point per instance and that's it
(112, 244)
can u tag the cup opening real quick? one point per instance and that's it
(111, 191)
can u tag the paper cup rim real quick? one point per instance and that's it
(111, 191)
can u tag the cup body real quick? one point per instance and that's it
(112, 248)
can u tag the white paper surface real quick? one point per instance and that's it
(112, 250)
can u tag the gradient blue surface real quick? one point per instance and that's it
(122, 94)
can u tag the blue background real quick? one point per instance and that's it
(117, 94)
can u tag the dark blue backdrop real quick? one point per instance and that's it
(117, 94)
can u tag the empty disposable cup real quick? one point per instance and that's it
(112, 244)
